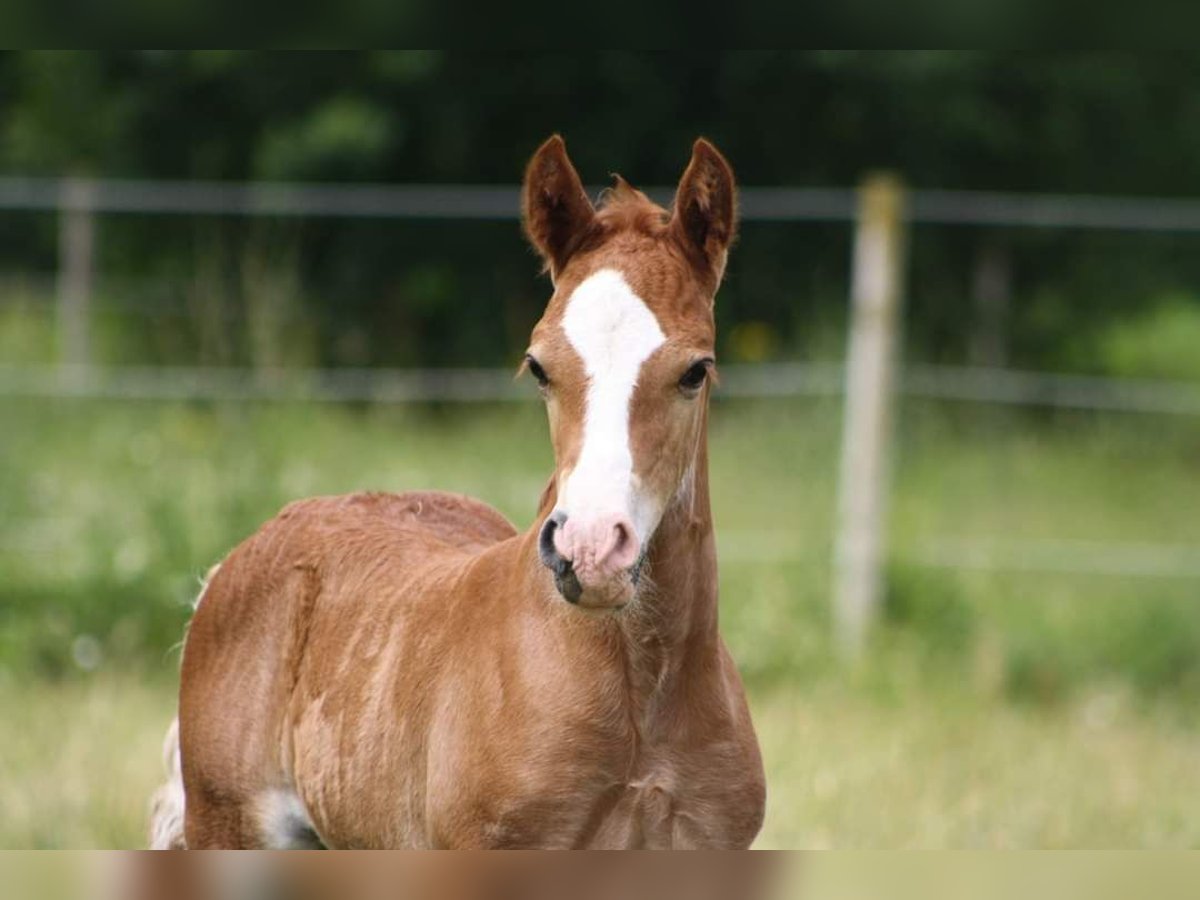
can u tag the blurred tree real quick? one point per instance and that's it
(1083, 121)
(63, 115)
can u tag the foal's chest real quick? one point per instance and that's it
(656, 814)
(585, 773)
(700, 803)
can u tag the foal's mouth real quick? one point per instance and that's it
(610, 594)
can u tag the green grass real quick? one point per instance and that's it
(1020, 707)
(845, 767)
(111, 512)
(79, 761)
(938, 769)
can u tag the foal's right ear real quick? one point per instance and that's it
(554, 206)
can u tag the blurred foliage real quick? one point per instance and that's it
(379, 293)
(1160, 341)
(933, 607)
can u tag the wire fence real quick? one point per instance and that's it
(1046, 556)
(502, 203)
(78, 202)
(392, 386)
(383, 386)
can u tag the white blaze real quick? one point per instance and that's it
(614, 332)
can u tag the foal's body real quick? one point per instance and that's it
(407, 670)
(601, 731)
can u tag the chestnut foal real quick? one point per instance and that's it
(406, 670)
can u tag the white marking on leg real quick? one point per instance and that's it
(284, 823)
(614, 333)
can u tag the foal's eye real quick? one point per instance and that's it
(535, 369)
(695, 375)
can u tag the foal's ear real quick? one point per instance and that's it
(554, 206)
(705, 218)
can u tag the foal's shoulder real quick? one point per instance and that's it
(456, 519)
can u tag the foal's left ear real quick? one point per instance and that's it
(705, 218)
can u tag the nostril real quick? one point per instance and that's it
(622, 546)
(621, 538)
(565, 579)
(547, 552)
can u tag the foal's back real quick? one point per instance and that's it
(414, 518)
(329, 591)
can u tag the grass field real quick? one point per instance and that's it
(998, 707)
(846, 768)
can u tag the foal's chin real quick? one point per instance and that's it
(608, 596)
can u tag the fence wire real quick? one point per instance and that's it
(390, 386)
(502, 203)
(758, 204)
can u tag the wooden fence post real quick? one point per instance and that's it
(860, 545)
(76, 250)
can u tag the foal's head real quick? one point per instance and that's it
(624, 356)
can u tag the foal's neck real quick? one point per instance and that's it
(679, 601)
(675, 614)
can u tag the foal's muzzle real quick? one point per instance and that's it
(564, 573)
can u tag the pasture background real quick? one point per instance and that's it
(1035, 677)
(995, 709)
